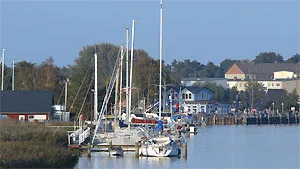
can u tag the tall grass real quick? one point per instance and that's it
(24, 145)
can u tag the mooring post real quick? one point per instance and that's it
(109, 147)
(137, 150)
(89, 150)
(184, 151)
(214, 119)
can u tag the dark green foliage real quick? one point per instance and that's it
(289, 100)
(294, 59)
(254, 91)
(268, 57)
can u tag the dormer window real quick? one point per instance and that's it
(190, 96)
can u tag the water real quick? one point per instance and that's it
(219, 147)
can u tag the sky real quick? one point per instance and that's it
(201, 30)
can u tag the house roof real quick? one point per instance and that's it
(205, 102)
(268, 68)
(193, 89)
(25, 101)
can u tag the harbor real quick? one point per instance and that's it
(194, 88)
(229, 146)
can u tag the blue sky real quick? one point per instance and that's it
(202, 30)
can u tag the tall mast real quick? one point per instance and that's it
(121, 81)
(127, 75)
(2, 82)
(66, 96)
(160, 56)
(96, 89)
(131, 65)
(13, 77)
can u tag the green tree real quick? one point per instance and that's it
(289, 100)
(293, 59)
(268, 57)
(254, 91)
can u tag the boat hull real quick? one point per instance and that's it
(168, 149)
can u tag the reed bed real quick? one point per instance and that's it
(33, 145)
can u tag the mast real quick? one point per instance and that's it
(66, 96)
(2, 83)
(131, 66)
(127, 75)
(116, 108)
(13, 77)
(121, 81)
(96, 89)
(160, 57)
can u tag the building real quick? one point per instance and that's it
(60, 114)
(194, 99)
(283, 76)
(263, 71)
(32, 106)
(197, 81)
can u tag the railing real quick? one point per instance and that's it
(84, 135)
(78, 134)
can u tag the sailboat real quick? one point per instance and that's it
(159, 146)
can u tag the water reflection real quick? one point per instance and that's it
(219, 147)
(128, 161)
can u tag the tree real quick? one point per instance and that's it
(254, 93)
(289, 100)
(294, 59)
(82, 72)
(268, 57)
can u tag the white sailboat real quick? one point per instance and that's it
(160, 146)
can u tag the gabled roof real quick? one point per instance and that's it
(196, 89)
(25, 101)
(265, 68)
(176, 88)
(193, 89)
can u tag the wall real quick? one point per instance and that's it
(235, 76)
(284, 75)
(36, 116)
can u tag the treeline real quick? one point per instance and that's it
(47, 76)
(190, 69)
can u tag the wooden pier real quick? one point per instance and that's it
(225, 119)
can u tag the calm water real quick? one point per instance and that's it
(220, 147)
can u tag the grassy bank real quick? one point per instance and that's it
(25, 145)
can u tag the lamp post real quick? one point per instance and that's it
(273, 107)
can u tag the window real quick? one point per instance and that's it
(183, 96)
(186, 96)
(195, 107)
(30, 117)
(190, 96)
(278, 84)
